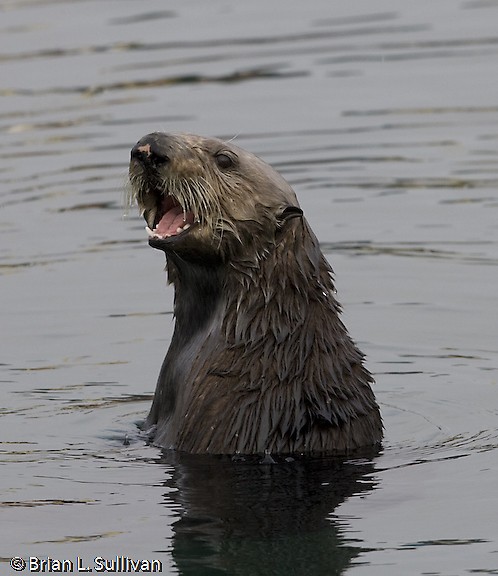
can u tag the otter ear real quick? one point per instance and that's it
(288, 213)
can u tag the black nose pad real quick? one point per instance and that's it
(149, 153)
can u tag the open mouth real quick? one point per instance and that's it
(167, 219)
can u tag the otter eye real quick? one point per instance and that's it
(224, 161)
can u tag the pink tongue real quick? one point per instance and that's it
(172, 220)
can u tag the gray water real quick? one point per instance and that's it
(384, 118)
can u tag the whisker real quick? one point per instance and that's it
(198, 195)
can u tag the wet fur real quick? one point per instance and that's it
(259, 359)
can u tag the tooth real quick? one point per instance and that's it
(151, 216)
(149, 231)
(187, 226)
(178, 230)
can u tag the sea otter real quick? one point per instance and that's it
(259, 361)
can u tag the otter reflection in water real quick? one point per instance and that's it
(245, 519)
(259, 360)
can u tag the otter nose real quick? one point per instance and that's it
(148, 151)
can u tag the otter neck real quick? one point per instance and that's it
(197, 295)
(289, 289)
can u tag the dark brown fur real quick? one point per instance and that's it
(259, 360)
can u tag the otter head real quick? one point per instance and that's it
(207, 201)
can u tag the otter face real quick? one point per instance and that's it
(203, 198)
